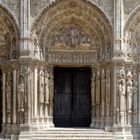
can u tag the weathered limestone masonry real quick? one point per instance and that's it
(38, 35)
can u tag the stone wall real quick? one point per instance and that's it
(38, 5)
(129, 6)
(13, 5)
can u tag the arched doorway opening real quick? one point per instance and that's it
(72, 97)
(75, 34)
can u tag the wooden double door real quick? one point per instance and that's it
(72, 97)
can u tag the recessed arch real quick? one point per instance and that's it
(12, 17)
(9, 34)
(132, 35)
(86, 15)
(91, 3)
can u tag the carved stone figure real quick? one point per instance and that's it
(135, 94)
(98, 87)
(73, 35)
(129, 91)
(47, 89)
(108, 93)
(103, 87)
(8, 90)
(122, 91)
(47, 94)
(21, 94)
(41, 92)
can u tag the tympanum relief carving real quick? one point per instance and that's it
(71, 45)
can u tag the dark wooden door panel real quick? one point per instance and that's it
(62, 98)
(72, 105)
(81, 98)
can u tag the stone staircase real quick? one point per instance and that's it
(72, 134)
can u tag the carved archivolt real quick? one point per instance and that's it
(9, 35)
(132, 36)
(69, 28)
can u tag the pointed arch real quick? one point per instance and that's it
(132, 35)
(91, 3)
(12, 17)
(81, 14)
(10, 34)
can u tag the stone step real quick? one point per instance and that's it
(71, 134)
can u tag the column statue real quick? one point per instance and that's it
(103, 87)
(129, 91)
(98, 88)
(47, 94)
(122, 94)
(8, 97)
(21, 99)
(135, 94)
(21, 94)
(108, 93)
(41, 92)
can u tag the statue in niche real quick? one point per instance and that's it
(129, 91)
(21, 94)
(41, 92)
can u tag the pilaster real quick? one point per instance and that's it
(25, 46)
(118, 29)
